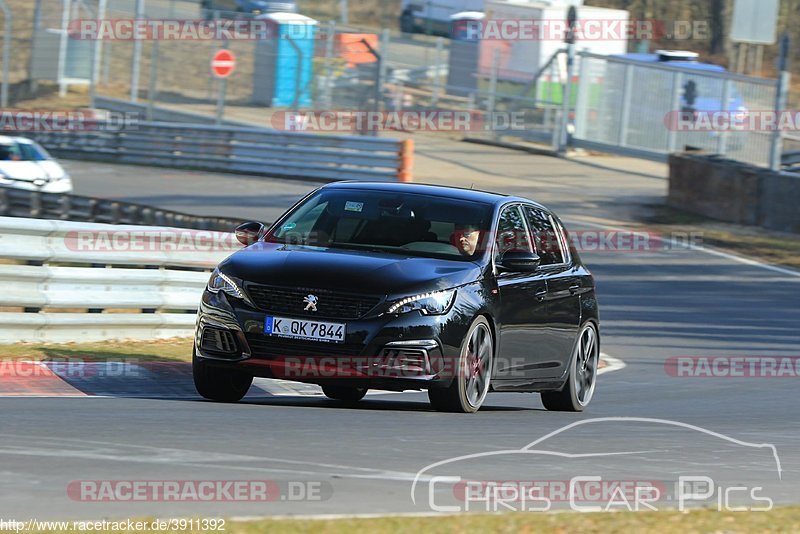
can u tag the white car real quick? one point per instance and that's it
(24, 164)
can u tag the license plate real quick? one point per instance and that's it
(304, 329)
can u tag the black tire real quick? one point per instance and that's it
(343, 393)
(570, 397)
(457, 397)
(221, 385)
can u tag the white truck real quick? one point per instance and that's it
(605, 31)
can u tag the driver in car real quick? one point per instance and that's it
(466, 238)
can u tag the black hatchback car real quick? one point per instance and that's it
(403, 287)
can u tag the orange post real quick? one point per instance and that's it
(405, 172)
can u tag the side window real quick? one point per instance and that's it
(511, 233)
(545, 237)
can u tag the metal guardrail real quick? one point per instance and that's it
(159, 271)
(241, 150)
(35, 204)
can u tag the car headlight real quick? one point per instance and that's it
(433, 303)
(227, 284)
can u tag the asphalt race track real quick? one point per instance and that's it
(655, 305)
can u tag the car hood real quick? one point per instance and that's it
(347, 270)
(31, 170)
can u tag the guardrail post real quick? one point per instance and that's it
(781, 97)
(582, 99)
(137, 55)
(66, 207)
(722, 142)
(6, 52)
(491, 101)
(115, 212)
(405, 172)
(97, 53)
(625, 115)
(566, 102)
(36, 204)
(677, 91)
(437, 81)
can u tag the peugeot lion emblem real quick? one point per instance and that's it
(311, 303)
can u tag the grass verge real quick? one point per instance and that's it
(165, 350)
(665, 522)
(777, 248)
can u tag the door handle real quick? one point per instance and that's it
(541, 294)
(574, 289)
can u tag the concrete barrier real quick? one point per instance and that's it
(734, 192)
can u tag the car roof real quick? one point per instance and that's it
(8, 140)
(459, 193)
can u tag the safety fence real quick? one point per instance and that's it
(69, 281)
(59, 206)
(615, 104)
(656, 109)
(253, 151)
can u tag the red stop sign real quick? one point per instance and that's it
(223, 64)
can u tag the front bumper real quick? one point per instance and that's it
(393, 352)
(57, 186)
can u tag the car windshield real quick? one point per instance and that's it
(409, 224)
(22, 152)
(33, 152)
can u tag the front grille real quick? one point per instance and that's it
(330, 304)
(218, 341)
(274, 348)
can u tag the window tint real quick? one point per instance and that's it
(409, 224)
(31, 152)
(10, 152)
(545, 237)
(511, 233)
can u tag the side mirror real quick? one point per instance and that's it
(520, 261)
(249, 232)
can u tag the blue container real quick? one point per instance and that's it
(284, 61)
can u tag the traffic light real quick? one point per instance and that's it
(689, 98)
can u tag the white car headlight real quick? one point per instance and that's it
(433, 303)
(227, 284)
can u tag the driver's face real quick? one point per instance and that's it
(468, 242)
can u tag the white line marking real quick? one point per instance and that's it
(706, 249)
(613, 364)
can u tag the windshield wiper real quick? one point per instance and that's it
(367, 248)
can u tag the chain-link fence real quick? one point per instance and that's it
(615, 104)
(659, 109)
